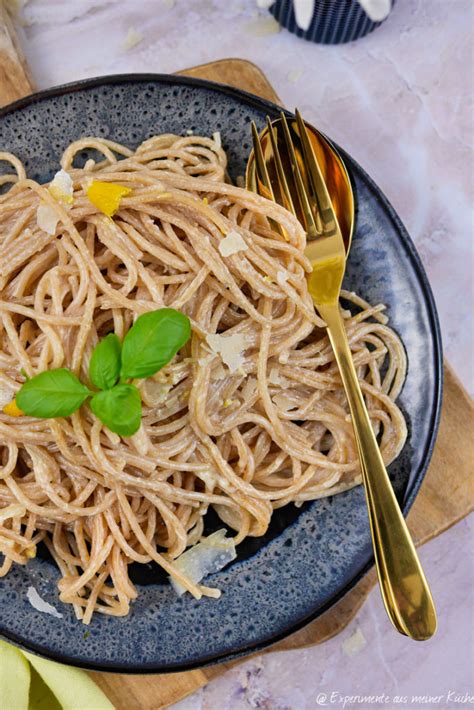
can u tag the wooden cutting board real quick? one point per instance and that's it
(446, 495)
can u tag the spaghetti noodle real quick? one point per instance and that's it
(248, 417)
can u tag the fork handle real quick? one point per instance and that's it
(403, 585)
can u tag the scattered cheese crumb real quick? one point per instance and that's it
(354, 644)
(267, 279)
(47, 218)
(282, 277)
(133, 38)
(262, 26)
(232, 244)
(190, 132)
(294, 75)
(30, 552)
(40, 605)
(61, 187)
(208, 556)
(229, 347)
(217, 139)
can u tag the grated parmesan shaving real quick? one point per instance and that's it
(133, 38)
(208, 556)
(6, 395)
(230, 349)
(284, 402)
(354, 644)
(219, 372)
(40, 605)
(217, 139)
(61, 187)
(47, 218)
(232, 244)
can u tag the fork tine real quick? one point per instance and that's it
(320, 190)
(282, 183)
(260, 166)
(310, 223)
(265, 187)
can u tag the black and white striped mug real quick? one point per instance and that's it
(330, 21)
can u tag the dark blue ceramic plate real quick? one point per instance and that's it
(310, 557)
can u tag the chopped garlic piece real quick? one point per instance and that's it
(46, 218)
(61, 187)
(229, 402)
(208, 556)
(217, 139)
(133, 38)
(30, 552)
(13, 410)
(205, 201)
(106, 196)
(40, 605)
(229, 347)
(282, 277)
(232, 244)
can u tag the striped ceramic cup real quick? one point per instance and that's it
(330, 21)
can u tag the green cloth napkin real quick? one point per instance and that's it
(29, 682)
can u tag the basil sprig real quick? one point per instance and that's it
(149, 345)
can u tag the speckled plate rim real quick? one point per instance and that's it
(437, 356)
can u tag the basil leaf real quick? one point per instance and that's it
(104, 368)
(53, 393)
(120, 409)
(153, 341)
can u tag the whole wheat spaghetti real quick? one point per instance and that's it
(248, 417)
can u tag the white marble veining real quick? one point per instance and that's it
(400, 101)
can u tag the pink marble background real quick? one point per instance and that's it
(400, 101)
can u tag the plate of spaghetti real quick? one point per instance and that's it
(179, 481)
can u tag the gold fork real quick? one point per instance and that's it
(403, 585)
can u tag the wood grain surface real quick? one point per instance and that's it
(446, 495)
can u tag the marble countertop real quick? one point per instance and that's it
(400, 101)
